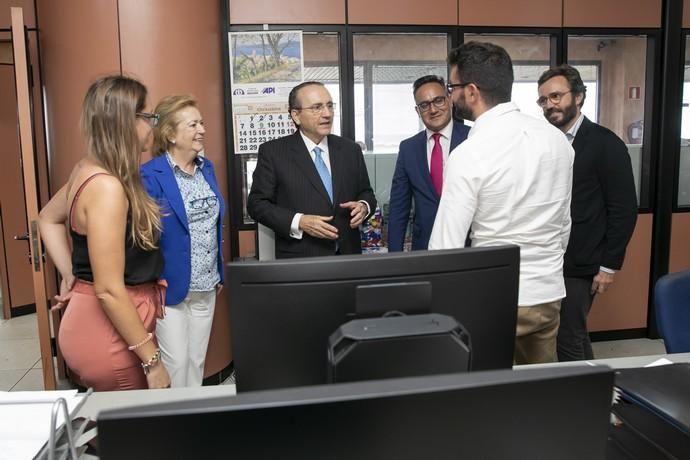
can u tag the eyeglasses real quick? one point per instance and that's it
(152, 118)
(554, 97)
(451, 86)
(316, 109)
(438, 101)
(203, 203)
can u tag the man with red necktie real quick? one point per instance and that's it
(418, 173)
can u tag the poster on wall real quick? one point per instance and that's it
(264, 67)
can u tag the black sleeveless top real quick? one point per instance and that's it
(140, 266)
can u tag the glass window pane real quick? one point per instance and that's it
(590, 77)
(322, 63)
(359, 104)
(386, 65)
(684, 164)
(614, 70)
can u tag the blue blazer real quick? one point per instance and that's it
(175, 241)
(412, 180)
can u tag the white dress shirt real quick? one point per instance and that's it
(446, 134)
(511, 181)
(572, 132)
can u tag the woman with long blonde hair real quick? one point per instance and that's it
(110, 273)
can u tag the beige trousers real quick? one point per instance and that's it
(535, 336)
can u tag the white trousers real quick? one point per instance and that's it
(183, 337)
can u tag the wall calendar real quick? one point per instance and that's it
(253, 129)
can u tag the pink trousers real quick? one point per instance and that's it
(93, 348)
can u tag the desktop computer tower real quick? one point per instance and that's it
(398, 346)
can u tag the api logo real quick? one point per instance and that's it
(268, 90)
(238, 92)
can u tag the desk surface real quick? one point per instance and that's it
(118, 399)
(617, 363)
(106, 400)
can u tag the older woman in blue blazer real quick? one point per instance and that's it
(184, 184)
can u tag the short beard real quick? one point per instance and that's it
(569, 114)
(462, 113)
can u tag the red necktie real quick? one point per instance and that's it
(436, 168)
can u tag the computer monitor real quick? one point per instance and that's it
(283, 312)
(541, 413)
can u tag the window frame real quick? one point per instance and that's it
(558, 53)
(678, 208)
(451, 32)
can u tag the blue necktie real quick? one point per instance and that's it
(323, 172)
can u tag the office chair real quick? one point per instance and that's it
(672, 299)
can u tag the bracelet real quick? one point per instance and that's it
(151, 362)
(148, 338)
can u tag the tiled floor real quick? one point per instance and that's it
(624, 348)
(20, 356)
(20, 364)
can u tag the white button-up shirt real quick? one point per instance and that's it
(511, 182)
(572, 132)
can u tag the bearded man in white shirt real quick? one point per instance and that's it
(510, 182)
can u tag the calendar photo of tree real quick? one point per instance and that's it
(266, 57)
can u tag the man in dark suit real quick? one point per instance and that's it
(311, 188)
(419, 168)
(603, 207)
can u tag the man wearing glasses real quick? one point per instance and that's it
(604, 206)
(511, 182)
(311, 188)
(419, 168)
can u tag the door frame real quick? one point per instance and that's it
(27, 143)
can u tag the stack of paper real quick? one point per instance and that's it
(25, 418)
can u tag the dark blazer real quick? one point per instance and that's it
(286, 182)
(175, 241)
(604, 202)
(412, 180)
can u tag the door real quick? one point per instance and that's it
(31, 193)
(17, 280)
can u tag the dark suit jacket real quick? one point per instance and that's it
(286, 182)
(604, 202)
(412, 180)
